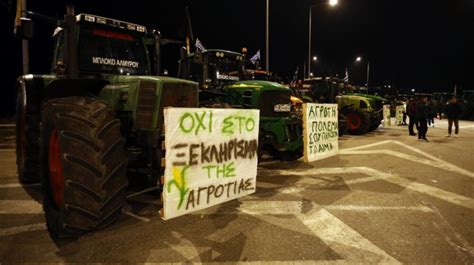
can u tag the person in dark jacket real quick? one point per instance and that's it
(422, 119)
(453, 111)
(431, 113)
(411, 112)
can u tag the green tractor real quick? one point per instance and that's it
(362, 112)
(93, 126)
(221, 76)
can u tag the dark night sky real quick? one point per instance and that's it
(417, 44)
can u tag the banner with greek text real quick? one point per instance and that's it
(399, 110)
(386, 116)
(211, 157)
(321, 131)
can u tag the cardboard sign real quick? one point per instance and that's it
(321, 131)
(399, 114)
(386, 115)
(211, 157)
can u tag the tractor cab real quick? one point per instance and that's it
(212, 68)
(104, 46)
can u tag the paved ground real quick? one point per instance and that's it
(386, 198)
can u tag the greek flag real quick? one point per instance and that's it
(256, 57)
(199, 46)
(346, 77)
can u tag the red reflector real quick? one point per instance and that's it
(112, 35)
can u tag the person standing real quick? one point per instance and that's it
(453, 111)
(422, 119)
(431, 113)
(411, 112)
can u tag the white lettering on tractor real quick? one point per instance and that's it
(114, 62)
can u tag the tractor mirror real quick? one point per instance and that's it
(25, 29)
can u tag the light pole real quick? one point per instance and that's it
(267, 41)
(358, 59)
(315, 59)
(331, 3)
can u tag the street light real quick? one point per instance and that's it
(358, 59)
(315, 60)
(267, 39)
(331, 3)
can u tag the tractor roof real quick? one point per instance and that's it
(110, 22)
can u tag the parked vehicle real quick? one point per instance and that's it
(222, 79)
(94, 120)
(362, 113)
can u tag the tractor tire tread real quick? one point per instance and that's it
(94, 168)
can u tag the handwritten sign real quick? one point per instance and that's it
(211, 157)
(321, 131)
(386, 115)
(399, 110)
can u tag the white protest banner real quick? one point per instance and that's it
(211, 157)
(399, 114)
(321, 131)
(386, 115)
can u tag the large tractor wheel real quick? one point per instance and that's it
(83, 166)
(358, 121)
(27, 136)
(342, 124)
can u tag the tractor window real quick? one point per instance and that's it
(225, 69)
(195, 73)
(112, 50)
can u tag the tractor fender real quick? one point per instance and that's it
(82, 87)
(33, 86)
(39, 89)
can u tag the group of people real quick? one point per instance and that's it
(420, 114)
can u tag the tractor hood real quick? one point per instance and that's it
(128, 92)
(258, 85)
(370, 97)
(136, 78)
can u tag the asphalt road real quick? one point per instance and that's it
(386, 198)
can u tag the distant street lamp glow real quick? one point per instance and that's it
(358, 59)
(311, 74)
(332, 2)
(315, 58)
